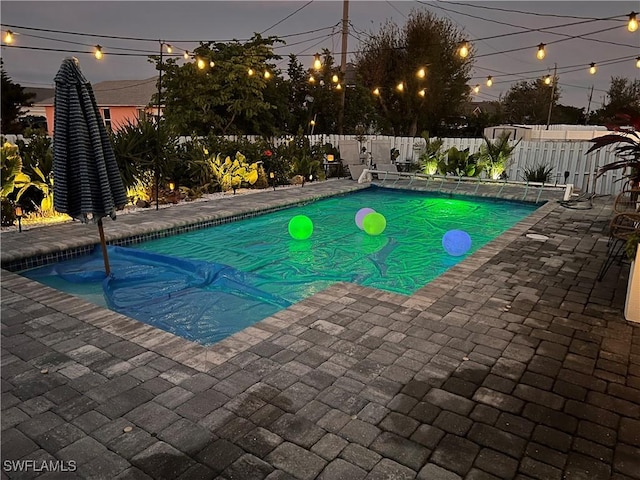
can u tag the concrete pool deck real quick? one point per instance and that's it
(516, 363)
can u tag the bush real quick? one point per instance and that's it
(538, 173)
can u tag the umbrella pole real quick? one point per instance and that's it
(103, 244)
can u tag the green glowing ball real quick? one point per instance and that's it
(374, 223)
(300, 227)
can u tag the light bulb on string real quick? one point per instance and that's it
(476, 89)
(400, 87)
(339, 86)
(632, 26)
(312, 79)
(212, 64)
(250, 71)
(98, 52)
(267, 74)
(489, 81)
(335, 78)
(186, 55)
(201, 64)
(169, 48)
(638, 62)
(376, 91)
(8, 37)
(547, 80)
(317, 63)
(422, 92)
(463, 51)
(541, 52)
(421, 73)
(592, 68)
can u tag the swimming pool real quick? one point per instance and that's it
(208, 284)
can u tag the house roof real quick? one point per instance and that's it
(40, 93)
(120, 93)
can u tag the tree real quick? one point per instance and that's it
(528, 101)
(624, 98)
(395, 55)
(13, 99)
(223, 90)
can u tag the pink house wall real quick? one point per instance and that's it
(120, 115)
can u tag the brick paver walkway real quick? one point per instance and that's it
(514, 364)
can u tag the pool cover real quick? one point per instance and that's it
(197, 300)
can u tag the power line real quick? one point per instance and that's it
(287, 17)
(528, 13)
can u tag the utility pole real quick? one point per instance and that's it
(586, 120)
(553, 91)
(343, 63)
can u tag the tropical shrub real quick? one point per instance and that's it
(538, 173)
(230, 174)
(460, 163)
(495, 156)
(12, 176)
(628, 149)
(432, 156)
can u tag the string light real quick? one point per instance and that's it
(489, 81)
(547, 80)
(250, 71)
(8, 37)
(592, 69)
(98, 52)
(339, 86)
(476, 89)
(400, 87)
(638, 62)
(632, 26)
(267, 74)
(201, 64)
(312, 123)
(422, 73)
(541, 53)
(335, 78)
(376, 91)
(169, 48)
(317, 63)
(186, 55)
(212, 64)
(422, 92)
(463, 51)
(312, 79)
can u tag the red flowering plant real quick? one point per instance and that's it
(628, 150)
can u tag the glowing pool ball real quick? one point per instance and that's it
(300, 227)
(363, 212)
(374, 223)
(456, 242)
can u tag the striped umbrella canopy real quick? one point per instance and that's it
(86, 181)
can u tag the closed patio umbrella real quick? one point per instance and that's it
(87, 183)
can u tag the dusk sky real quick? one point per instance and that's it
(185, 23)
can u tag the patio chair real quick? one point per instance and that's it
(621, 228)
(350, 156)
(628, 200)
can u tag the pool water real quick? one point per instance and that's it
(210, 283)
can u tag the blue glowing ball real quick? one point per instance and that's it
(456, 242)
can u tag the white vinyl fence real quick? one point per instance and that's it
(562, 156)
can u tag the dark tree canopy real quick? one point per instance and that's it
(623, 98)
(528, 102)
(395, 55)
(13, 99)
(224, 98)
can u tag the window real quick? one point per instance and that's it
(106, 114)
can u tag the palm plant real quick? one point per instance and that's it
(628, 148)
(432, 155)
(495, 156)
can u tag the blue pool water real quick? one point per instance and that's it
(208, 284)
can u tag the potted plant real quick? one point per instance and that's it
(628, 150)
(632, 302)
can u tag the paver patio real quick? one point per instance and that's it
(516, 363)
